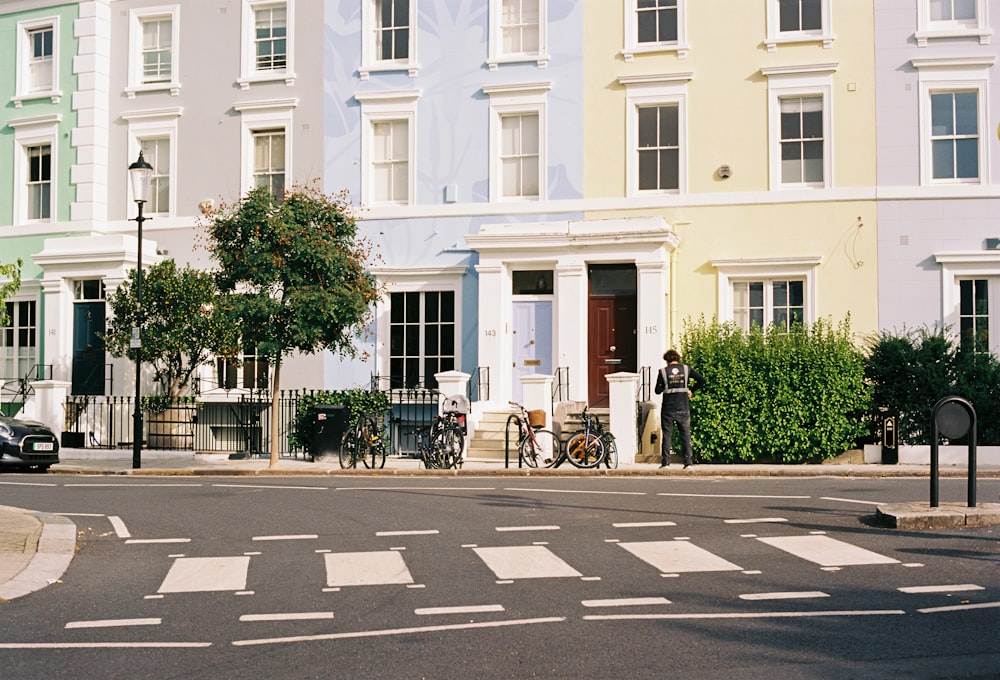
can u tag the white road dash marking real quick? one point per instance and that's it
(959, 607)
(639, 525)
(399, 631)
(113, 623)
(744, 615)
(850, 500)
(131, 486)
(103, 645)
(754, 520)
(416, 532)
(956, 588)
(32, 484)
(119, 526)
(472, 609)
(801, 595)
(296, 616)
(137, 541)
(626, 602)
(583, 491)
(727, 495)
(268, 486)
(288, 537)
(542, 527)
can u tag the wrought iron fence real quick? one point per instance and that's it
(241, 425)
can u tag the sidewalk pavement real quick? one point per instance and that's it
(36, 547)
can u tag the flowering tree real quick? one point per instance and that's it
(296, 274)
(182, 319)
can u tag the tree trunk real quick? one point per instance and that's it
(274, 414)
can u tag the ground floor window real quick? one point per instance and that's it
(421, 337)
(768, 302)
(18, 341)
(974, 314)
(249, 372)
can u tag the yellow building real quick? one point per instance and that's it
(749, 128)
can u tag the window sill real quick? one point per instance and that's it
(984, 34)
(681, 49)
(54, 95)
(772, 42)
(540, 60)
(262, 79)
(389, 67)
(173, 89)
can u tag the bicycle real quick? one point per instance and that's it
(363, 442)
(586, 448)
(610, 444)
(448, 433)
(536, 446)
(429, 455)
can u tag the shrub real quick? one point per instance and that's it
(790, 396)
(356, 400)
(911, 370)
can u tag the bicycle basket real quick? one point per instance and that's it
(536, 418)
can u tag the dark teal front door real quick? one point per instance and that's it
(88, 348)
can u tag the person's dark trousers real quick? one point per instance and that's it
(683, 420)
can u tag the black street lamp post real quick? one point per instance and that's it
(141, 174)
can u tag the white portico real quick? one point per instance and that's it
(591, 297)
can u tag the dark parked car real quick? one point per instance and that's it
(27, 443)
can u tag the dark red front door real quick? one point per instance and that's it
(612, 311)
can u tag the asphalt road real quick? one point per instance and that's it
(503, 578)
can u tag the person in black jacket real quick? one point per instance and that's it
(676, 381)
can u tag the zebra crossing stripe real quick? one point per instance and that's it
(206, 574)
(526, 561)
(673, 557)
(826, 551)
(385, 567)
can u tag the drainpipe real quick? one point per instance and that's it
(672, 296)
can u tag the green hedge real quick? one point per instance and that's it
(788, 397)
(357, 401)
(911, 370)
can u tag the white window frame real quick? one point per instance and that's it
(654, 90)
(775, 36)
(154, 124)
(137, 17)
(680, 47)
(370, 63)
(928, 30)
(977, 264)
(780, 268)
(387, 106)
(953, 74)
(799, 81)
(22, 77)
(523, 98)
(16, 354)
(28, 132)
(498, 56)
(270, 114)
(415, 280)
(249, 75)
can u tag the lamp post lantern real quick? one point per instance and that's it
(140, 174)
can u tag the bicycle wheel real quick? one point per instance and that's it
(371, 448)
(348, 447)
(447, 445)
(585, 450)
(610, 450)
(540, 451)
